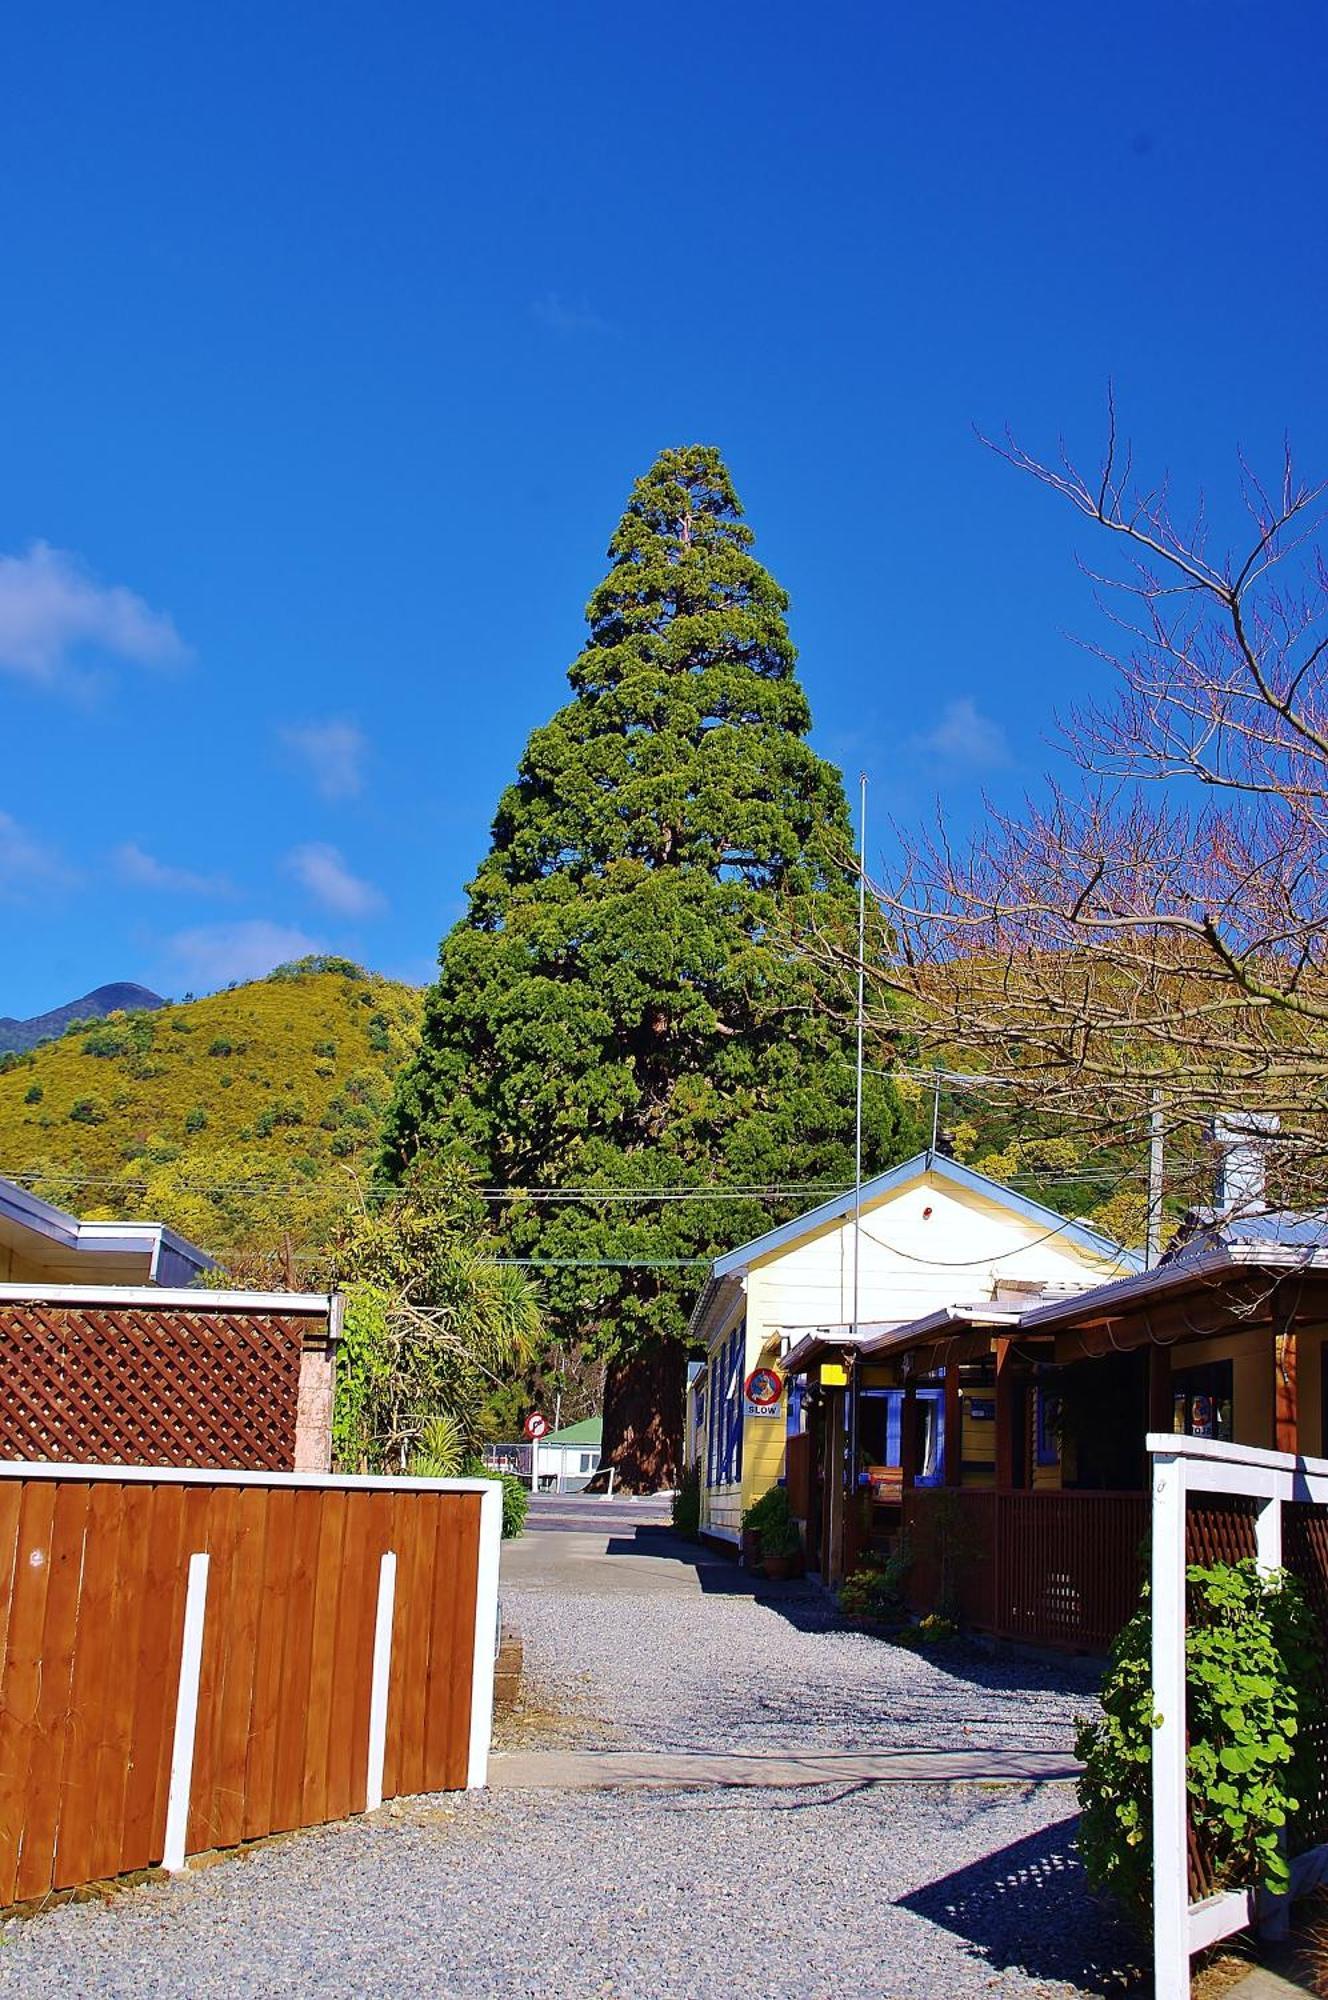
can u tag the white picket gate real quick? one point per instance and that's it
(1182, 1466)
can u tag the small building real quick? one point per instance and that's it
(569, 1458)
(563, 1461)
(41, 1243)
(796, 1303)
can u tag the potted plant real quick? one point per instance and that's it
(781, 1546)
(759, 1521)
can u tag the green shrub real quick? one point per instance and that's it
(933, 1630)
(1253, 1669)
(221, 1045)
(516, 1500)
(106, 1042)
(33, 1094)
(877, 1589)
(87, 1111)
(685, 1508)
(196, 1119)
(771, 1511)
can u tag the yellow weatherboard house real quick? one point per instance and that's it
(925, 1234)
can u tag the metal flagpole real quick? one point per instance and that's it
(862, 974)
(851, 1393)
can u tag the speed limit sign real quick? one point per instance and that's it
(536, 1425)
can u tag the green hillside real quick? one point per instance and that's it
(235, 1118)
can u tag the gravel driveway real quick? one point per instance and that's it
(882, 1890)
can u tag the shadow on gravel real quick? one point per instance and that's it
(804, 1605)
(1029, 1906)
(808, 1608)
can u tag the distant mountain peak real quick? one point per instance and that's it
(120, 996)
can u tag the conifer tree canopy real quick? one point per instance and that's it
(619, 1010)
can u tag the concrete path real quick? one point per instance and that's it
(584, 1544)
(586, 1770)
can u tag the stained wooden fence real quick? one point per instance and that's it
(192, 1660)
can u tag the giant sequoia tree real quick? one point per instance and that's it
(621, 1040)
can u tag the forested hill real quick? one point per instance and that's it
(235, 1118)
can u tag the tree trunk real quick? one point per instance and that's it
(643, 1415)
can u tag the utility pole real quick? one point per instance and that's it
(1156, 1163)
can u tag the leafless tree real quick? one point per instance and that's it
(1158, 920)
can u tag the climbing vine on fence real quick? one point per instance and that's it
(1253, 1670)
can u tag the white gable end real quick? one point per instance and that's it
(922, 1246)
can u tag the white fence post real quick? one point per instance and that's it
(1171, 1875)
(486, 1637)
(382, 1679)
(186, 1716)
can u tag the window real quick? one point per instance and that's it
(1201, 1401)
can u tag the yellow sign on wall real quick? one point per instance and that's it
(834, 1375)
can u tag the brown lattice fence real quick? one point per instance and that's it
(150, 1385)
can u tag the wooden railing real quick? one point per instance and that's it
(1052, 1569)
(193, 1660)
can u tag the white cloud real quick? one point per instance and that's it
(52, 611)
(26, 863)
(212, 955)
(560, 315)
(334, 752)
(322, 870)
(965, 736)
(143, 871)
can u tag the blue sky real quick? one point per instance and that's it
(334, 336)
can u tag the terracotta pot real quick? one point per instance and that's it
(778, 1568)
(751, 1547)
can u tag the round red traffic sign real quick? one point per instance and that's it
(536, 1425)
(764, 1387)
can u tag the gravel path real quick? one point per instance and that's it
(900, 1892)
(736, 1673)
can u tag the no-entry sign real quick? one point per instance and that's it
(536, 1425)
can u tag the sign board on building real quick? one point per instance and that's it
(763, 1393)
(536, 1425)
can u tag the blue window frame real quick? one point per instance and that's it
(724, 1428)
(931, 1403)
(1048, 1407)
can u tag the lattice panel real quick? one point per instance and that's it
(1305, 1554)
(1220, 1529)
(149, 1386)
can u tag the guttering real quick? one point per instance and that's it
(946, 1319)
(321, 1305)
(1184, 1274)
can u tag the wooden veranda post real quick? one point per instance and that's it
(1286, 1398)
(908, 1437)
(954, 1410)
(1159, 1388)
(1007, 1411)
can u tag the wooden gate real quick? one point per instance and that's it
(189, 1660)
